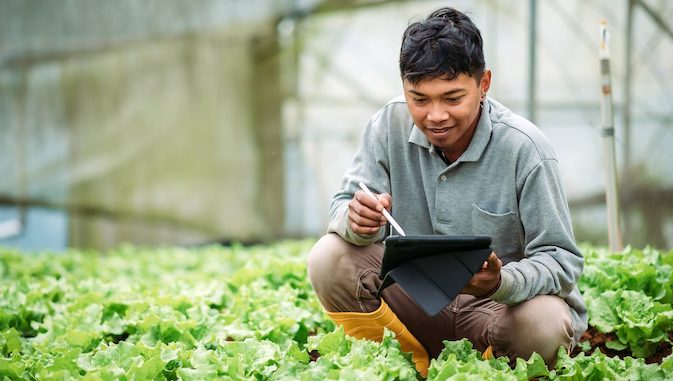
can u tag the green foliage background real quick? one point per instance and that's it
(249, 313)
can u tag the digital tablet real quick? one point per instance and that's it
(399, 249)
(432, 269)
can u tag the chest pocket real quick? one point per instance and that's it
(504, 230)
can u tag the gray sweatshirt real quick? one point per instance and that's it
(506, 185)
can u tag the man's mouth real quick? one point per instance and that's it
(439, 131)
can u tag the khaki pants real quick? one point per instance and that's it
(345, 278)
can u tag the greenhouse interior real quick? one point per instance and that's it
(168, 168)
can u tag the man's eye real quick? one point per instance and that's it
(420, 100)
(453, 100)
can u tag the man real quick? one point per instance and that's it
(446, 159)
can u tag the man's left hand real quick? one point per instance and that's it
(485, 281)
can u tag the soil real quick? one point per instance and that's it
(598, 339)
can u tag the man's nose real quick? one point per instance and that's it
(437, 114)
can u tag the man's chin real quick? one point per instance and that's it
(437, 142)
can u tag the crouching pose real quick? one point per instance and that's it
(447, 159)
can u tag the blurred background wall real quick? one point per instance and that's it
(143, 121)
(172, 122)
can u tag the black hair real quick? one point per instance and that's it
(444, 45)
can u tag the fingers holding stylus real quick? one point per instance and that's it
(383, 201)
(365, 213)
(382, 207)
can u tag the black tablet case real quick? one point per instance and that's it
(432, 269)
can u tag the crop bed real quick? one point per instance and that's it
(248, 313)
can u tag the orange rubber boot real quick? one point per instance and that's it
(369, 325)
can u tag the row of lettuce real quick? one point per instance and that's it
(248, 313)
(630, 294)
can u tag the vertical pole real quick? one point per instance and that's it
(626, 107)
(532, 60)
(608, 133)
(626, 99)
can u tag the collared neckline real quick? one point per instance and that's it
(480, 139)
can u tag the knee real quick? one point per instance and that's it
(324, 257)
(542, 325)
(343, 275)
(331, 273)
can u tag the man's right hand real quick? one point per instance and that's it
(366, 214)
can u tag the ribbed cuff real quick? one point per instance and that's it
(340, 224)
(504, 291)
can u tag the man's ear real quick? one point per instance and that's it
(485, 82)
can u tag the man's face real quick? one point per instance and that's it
(447, 111)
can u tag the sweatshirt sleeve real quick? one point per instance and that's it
(552, 263)
(370, 166)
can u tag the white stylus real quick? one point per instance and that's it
(385, 212)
